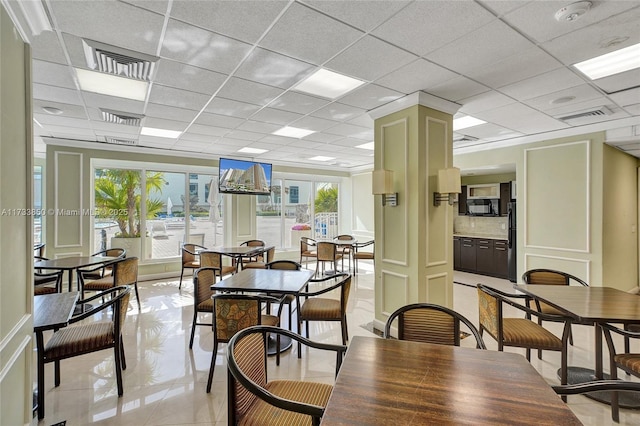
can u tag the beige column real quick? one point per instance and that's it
(414, 240)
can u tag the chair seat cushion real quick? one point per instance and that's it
(254, 265)
(100, 284)
(630, 362)
(309, 253)
(525, 333)
(363, 255)
(44, 279)
(320, 308)
(44, 289)
(261, 413)
(205, 306)
(633, 327)
(80, 339)
(191, 264)
(269, 320)
(226, 270)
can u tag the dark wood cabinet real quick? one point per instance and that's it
(468, 254)
(462, 201)
(500, 258)
(505, 197)
(483, 256)
(456, 253)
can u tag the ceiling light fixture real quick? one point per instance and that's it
(562, 100)
(112, 85)
(161, 133)
(52, 110)
(615, 62)
(249, 150)
(293, 132)
(573, 11)
(328, 84)
(366, 146)
(321, 158)
(466, 121)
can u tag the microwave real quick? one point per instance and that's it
(483, 207)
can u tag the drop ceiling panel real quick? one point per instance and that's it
(224, 106)
(248, 91)
(115, 23)
(278, 140)
(520, 118)
(581, 93)
(322, 137)
(351, 131)
(195, 46)
(177, 98)
(297, 102)
(183, 76)
(206, 130)
(298, 32)
(364, 15)
(622, 81)
(56, 94)
(370, 58)
(274, 69)
(245, 136)
(457, 88)
(484, 101)
(63, 132)
(217, 120)
(169, 112)
(158, 6)
(542, 84)
(111, 102)
(47, 48)
(364, 120)
(487, 130)
(501, 7)
(275, 116)
(68, 110)
(314, 123)
(102, 127)
(46, 119)
(243, 20)
(339, 112)
(627, 97)
(447, 21)
(258, 127)
(52, 74)
(418, 75)
(197, 137)
(370, 96)
(161, 123)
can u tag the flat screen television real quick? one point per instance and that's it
(244, 177)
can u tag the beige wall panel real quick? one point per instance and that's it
(557, 201)
(245, 217)
(394, 291)
(395, 148)
(363, 222)
(68, 199)
(436, 290)
(438, 237)
(578, 267)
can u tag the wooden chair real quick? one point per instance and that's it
(212, 259)
(88, 336)
(105, 270)
(38, 249)
(327, 252)
(626, 361)
(362, 255)
(287, 299)
(520, 332)
(550, 277)
(203, 279)
(125, 273)
(247, 259)
(323, 308)
(190, 258)
(234, 312)
(307, 251)
(344, 249)
(430, 323)
(42, 282)
(261, 264)
(253, 399)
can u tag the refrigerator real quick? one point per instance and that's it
(512, 256)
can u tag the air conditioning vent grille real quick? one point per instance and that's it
(118, 61)
(120, 141)
(585, 114)
(118, 117)
(465, 138)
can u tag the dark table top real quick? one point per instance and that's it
(73, 262)
(53, 310)
(267, 280)
(385, 381)
(240, 250)
(588, 304)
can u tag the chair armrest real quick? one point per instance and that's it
(597, 385)
(325, 290)
(98, 308)
(506, 298)
(360, 245)
(626, 333)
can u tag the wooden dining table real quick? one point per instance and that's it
(73, 263)
(591, 306)
(397, 382)
(240, 252)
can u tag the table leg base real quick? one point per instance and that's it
(285, 344)
(626, 399)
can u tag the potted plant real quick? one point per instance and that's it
(117, 196)
(299, 230)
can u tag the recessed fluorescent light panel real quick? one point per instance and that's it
(321, 158)
(112, 85)
(293, 132)
(161, 133)
(327, 84)
(467, 121)
(366, 146)
(249, 150)
(611, 63)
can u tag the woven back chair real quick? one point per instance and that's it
(120, 253)
(211, 259)
(261, 264)
(307, 249)
(203, 279)
(47, 282)
(346, 250)
(327, 252)
(190, 258)
(253, 399)
(430, 323)
(359, 254)
(125, 273)
(287, 299)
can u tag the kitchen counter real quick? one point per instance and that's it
(488, 237)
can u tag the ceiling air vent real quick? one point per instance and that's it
(600, 111)
(464, 138)
(116, 60)
(119, 117)
(120, 141)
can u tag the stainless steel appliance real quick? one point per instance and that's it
(512, 257)
(483, 207)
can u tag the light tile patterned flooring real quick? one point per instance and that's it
(165, 381)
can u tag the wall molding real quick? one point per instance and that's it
(586, 263)
(433, 277)
(405, 279)
(56, 200)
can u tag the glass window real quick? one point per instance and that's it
(37, 204)
(293, 194)
(167, 212)
(268, 211)
(326, 210)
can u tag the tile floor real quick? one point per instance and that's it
(165, 382)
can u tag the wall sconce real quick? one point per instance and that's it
(382, 184)
(448, 184)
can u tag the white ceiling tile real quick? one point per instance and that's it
(244, 20)
(153, 141)
(542, 84)
(186, 145)
(63, 132)
(198, 137)
(275, 116)
(158, 6)
(581, 93)
(322, 137)
(46, 47)
(418, 75)
(500, 7)
(52, 74)
(46, 119)
(68, 110)
(576, 107)
(457, 88)
(370, 58)
(278, 140)
(484, 101)
(622, 81)
(351, 131)
(520, 118)
(102, 127)
(484, 46)
(313, 123)
(219, 120)
(248, 91)
(363, 14)
(297, 102)
(364, 120)
(274, 69)
(195, 46)
(626, 97)
(207, 130)
(245, 136)
(633, 110)
(370, 96)
(114, 23)
(298, 31)
(161, 123)
(424, 26)
(258, 127)
(487, 131)
(183, 76)
(230, 107)
(177, 97)
(169, 112)
(339, 112)
(56, 94)
(112, 102)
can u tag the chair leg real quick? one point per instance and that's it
(181, 274)
(299, 332)
(213, 366)
(40, 382)
(345, 332)
(118, 366)
(615, 403)
(193, 328)
(122, 357)
(563, 368)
